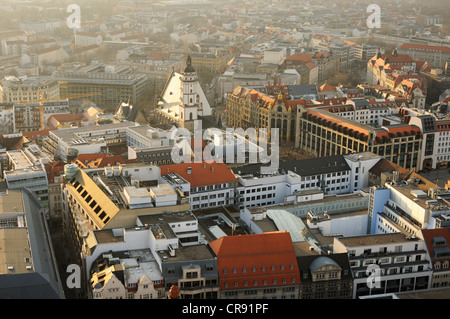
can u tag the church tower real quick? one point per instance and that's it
(189, 103)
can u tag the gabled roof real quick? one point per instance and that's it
(385, 166)
(53, 169)
(256, 258)
(433, 239)
(327, 88)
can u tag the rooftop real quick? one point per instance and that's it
(377, 239)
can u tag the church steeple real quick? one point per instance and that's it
(189, 85)
(189, 68)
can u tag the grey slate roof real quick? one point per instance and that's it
(26, 286)
(303, 167)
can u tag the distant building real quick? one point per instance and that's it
(31, 89)
(436, 56)
(87, 39)
(95, 82)
(29, 117)
(213, 62)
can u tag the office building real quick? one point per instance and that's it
(386, 263)
(323, 133)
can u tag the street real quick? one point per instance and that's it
(440, 175)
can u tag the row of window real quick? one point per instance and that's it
(253, 269)
(264, 282)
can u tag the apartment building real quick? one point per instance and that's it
(185, 259)
(364, 52)
(13, 89)
(325, 277)
(324, 133)
(111, 197)
(206, 184)
(213, 62)
(47, 56)
(301, 62)
(437, 241)
(386, 263)
(28, 117)
(257, 266)
(50, 108)
(436, 134)
(323, 62)
(167, 248)
(130, 274)
(380, 66)
(55, 173)
(7, 121)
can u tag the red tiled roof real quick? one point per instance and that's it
(54, 169)
(327, 88)
(304, 57)
(384, 166)
(256, 258)
(34, 135)
(429, 234)
(424, 47)
(201, 174)
(67, 117)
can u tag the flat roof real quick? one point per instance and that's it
(71, 134)
(376, 239)
(11, 202)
